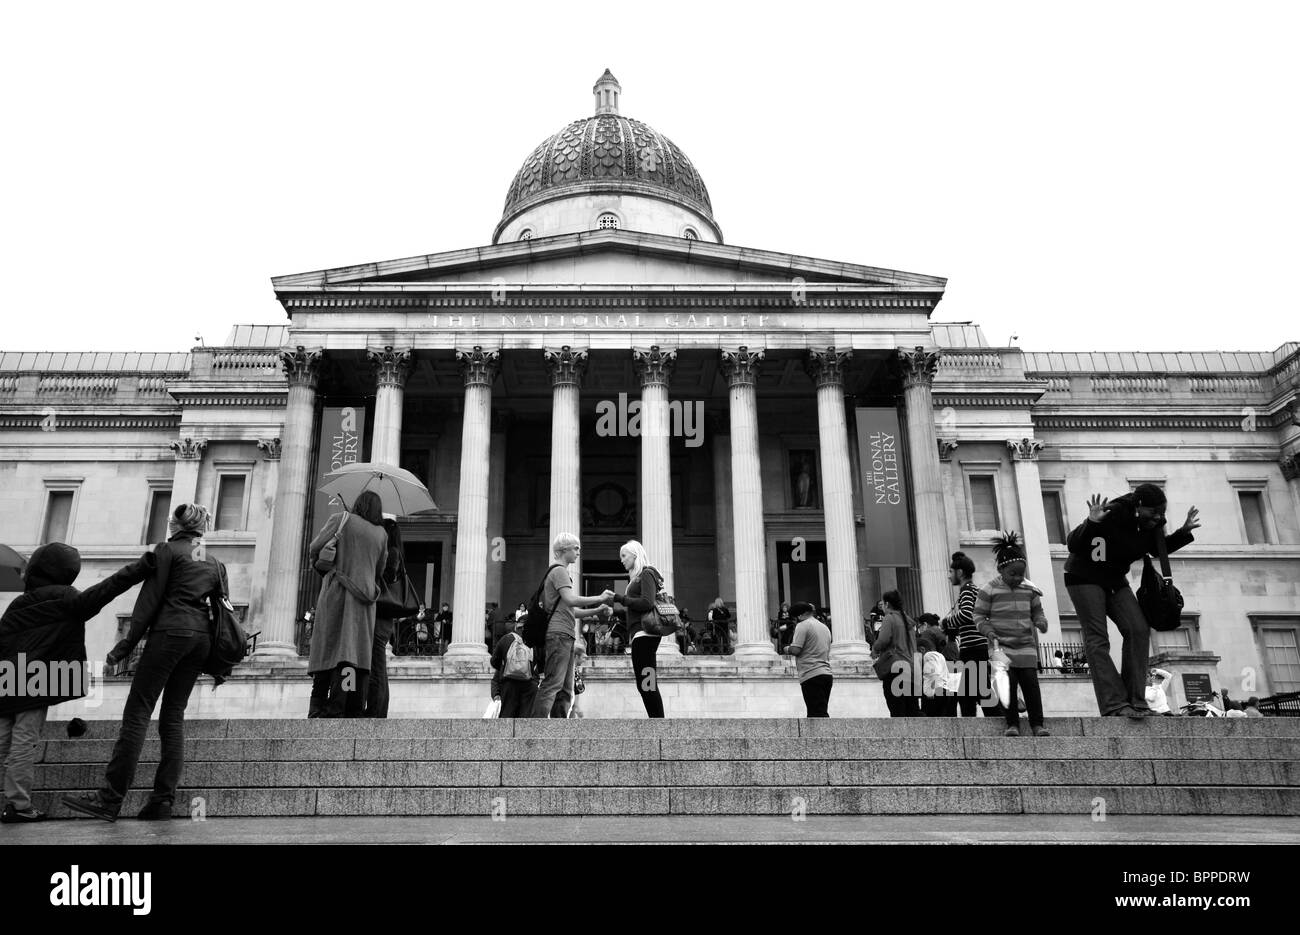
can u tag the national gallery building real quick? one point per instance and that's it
(772, 427)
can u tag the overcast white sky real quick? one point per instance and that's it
(1088, 176)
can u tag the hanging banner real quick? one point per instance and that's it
(342, 433)
(884, 488)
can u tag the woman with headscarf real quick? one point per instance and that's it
(342, 641)
(174, 610)
(639, 600)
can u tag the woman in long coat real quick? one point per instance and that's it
(344, 631)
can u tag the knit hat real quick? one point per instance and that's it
(1008, 548)
(190, 517)
(1149, 495)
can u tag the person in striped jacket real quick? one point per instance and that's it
(1007, 611)
(972, 647)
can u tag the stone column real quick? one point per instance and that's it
(496, 516)
(391, 370)
(1291, 471)
(280, 601)
(185, 477)
(919, 366)
(827, 370)
(271, 449)
(752, 642)
(726, 551)
(655, 368)
(1029, 495)
(469, 592)
(566, 367)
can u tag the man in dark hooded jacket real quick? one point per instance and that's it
(46, 626)
(1116, 534)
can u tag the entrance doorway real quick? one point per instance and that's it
(424, 566)
(801, 573)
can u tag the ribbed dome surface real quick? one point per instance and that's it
(608, 151)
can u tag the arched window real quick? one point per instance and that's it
(526, 234)
(690, 234)
(607, 222)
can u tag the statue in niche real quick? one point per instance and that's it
(803, 480)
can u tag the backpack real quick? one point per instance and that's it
(539, 618)
(229, 638)
(519, 660)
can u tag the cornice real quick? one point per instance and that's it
(609, 296)
(1102, 421)
(275, 399)
(92, 421)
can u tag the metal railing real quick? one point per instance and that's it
(1072, 660)
(1284, 705)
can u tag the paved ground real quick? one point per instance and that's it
(1024, 829)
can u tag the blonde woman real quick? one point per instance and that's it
(639, 601)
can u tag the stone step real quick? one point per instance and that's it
(690, 728)
(725, 800)
(727, 748)
(755, 773)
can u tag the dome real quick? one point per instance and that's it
(608, 153)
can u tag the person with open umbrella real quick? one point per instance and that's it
(400, 491)
(355, 548)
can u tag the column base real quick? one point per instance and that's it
(274, 652)
(762, 651)
(851, 651)
(466, 652)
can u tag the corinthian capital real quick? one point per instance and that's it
(741, 366)
(919, 365)
(188, 448)
(1025, 449)
(477, 366)
(566, 365)
(270, 448)
(391, 367)
(827, 366)
(655, 365)
(301, 366)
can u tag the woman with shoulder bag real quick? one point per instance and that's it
(174, 610)
(895, 652)
(639, 601)
(397, 601)
(342, 641)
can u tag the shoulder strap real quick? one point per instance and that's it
(558, 598)
(1162, 550)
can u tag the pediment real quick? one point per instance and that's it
(599, 258)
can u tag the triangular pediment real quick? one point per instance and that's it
(613, 258)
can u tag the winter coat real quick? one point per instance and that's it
(1010, 615)
(344, 627)
(1124, 543)
(178, 595)
(639, 599)
(47, 622)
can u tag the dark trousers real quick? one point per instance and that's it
(555, 694)
(817, 695)
(976, 687)
(517, 696)
(902, 703)
(1026, 680)
(169, 666)
(644, 651)
(1113, 689)
(377, 690)
(339, 692)
(939, 706)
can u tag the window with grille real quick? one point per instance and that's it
(526, 234)
(1252, 511)
(983, 502)
(1055, 516)
(58, 516)
(607, 222)
(230, 501)
(156, 527)
(690, 234)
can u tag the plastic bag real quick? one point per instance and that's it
(998, 666)
(493, 709)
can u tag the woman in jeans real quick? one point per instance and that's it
(639, 600)
(394, 571)
(895, 650)
(343, 638)
(173, 609)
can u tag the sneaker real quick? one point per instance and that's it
(92, 805)
(1127, 711)
(156, 811)
(11, 815)
(1041, 731)
(1011, 732)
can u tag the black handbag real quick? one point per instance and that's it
(398, 599)
(1161, 602)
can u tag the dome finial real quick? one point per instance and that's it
(607, 90)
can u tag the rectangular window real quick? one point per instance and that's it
(156, 530)
(1187, 638)
(58, 516)
(230, 502)
(983, 502)
(1252, 511)
(1055, 518)
(1281, 657)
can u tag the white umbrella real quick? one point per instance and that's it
(401, 492)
